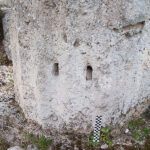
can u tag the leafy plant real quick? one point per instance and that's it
(32, 139)
(138, 129)
(105, 137)
(145, 131)
(141, 121)
(91, 143)
(43, 143)
(91, 136)
(136, 135)
(132, 125)
(106, 130)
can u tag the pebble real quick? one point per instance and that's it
(126, 131)
(104, 146)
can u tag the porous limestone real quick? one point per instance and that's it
(75, 59)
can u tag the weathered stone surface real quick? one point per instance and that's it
(15, 148)
(31, 147)
(3, 2)
(54, 42)
(104, 146)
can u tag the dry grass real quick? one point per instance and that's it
(3, 144)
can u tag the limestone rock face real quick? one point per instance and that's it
(75, 59)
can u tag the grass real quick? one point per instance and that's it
(138, 129)
(106, 136)
(43, 143)
(40, 142)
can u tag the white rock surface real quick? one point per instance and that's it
(3, 2)
(112, 37)
(104, 146)
(31, 147)
(15, 148)
(126, 131)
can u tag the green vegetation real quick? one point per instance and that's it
(40, 142)
(43, 143)
(91, 143)
(105, 137)
(138, 129)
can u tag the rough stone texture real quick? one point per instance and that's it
(112, 37)
(4, 2)
(15, 130)
(10, 117)
(15, 148)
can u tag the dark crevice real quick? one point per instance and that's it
(1, 27)
(65, 37)
(49, 4)
(76, 43)
(89, 73)
(132, 26)
(56, 69)
(138, 25)
(3, 57)
(115, 30)
(131, 29)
